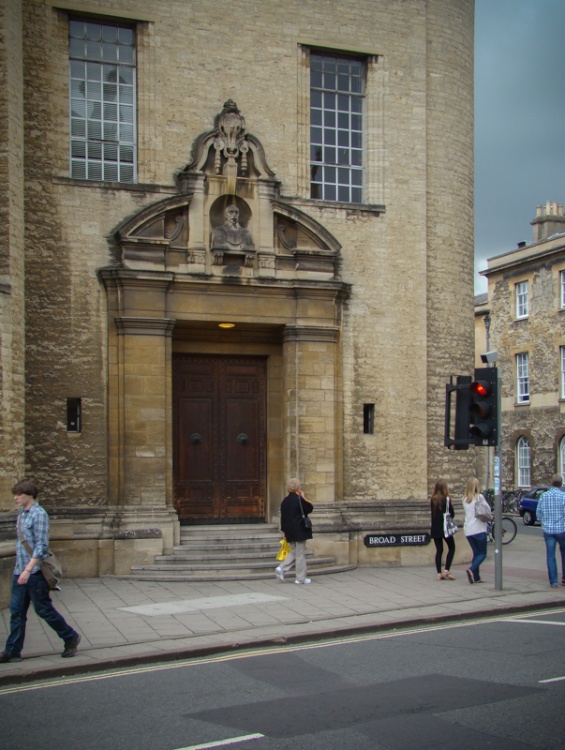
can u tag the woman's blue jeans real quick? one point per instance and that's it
(478, 544)
(36, 592)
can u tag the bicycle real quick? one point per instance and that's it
(509, 530)
(511, 501)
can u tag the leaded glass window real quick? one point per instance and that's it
(102, 101)
(337, 86)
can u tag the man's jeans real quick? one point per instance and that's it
(35, 591)
(551, 541)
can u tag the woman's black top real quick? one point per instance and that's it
(436, 530)
(291, 518)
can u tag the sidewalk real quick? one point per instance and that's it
(124, 623)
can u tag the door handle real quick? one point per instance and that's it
(242, 438)
(195, 438)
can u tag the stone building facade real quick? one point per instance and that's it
(526, 306)
(347, 283)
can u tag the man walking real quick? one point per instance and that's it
(28, 584)
(551, 514)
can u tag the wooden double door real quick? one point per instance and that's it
(219, 422)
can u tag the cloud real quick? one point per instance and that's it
(519, 119)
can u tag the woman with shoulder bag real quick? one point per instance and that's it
(440, 504)
(476, 520)
(297, 528)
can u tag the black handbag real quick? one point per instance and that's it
(306, 522)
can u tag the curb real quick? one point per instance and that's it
(167, 657)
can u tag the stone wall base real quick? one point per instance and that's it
(95, 542)
(340, 531)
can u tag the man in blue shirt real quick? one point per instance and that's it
(551, 514)
(28, 584)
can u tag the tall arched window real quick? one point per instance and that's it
(523, 461)
(561, 468)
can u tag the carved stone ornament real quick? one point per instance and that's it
(231, 142)
(236, 153)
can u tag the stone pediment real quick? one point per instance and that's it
(228, 218)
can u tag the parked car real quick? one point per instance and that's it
(529, 504)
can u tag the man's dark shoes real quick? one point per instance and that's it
(6, 658)
(71, 647)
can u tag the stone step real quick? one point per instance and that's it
(211, 544)
(212, 576)
(232, 538)
(240, 529)
(249, 565)
(210, 557)
(241, 548)
(226, 552)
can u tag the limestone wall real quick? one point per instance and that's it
(12, 332)
(406, 255)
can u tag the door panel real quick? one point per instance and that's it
(220, 438)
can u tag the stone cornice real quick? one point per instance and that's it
(145, 326)
(326, 334)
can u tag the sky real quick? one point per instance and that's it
(519, 120)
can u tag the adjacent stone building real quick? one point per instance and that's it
(243, 236)
(526, 309)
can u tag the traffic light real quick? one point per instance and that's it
(483, 407)
(461, 439)
(477, 410)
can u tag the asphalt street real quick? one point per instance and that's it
(493, 683)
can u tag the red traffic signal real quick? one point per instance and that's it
(480, 388)
(483, 418)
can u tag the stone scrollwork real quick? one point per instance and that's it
(231, 138)
(287, 242)
(237, 153)
(174, 233)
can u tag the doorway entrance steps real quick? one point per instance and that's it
(234, 552)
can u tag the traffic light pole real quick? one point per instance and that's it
(498, 496)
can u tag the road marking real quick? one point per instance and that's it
(534, 622)
(553, 679)
(250, 652)
(184, 606)
(223, 743)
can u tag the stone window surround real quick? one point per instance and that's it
(345, 139)
(562, 372)
(126, 170)
(561, 456)
(523, 467)
(373, 124)
(562, 290)
(521, 299)
(522, 360)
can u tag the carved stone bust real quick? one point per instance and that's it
(231, 236)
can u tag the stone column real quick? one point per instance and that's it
(312, 423)
(145, 410)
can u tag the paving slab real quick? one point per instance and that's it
(125, 623)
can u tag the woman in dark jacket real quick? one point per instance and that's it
(293, 508)
(438, 504)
